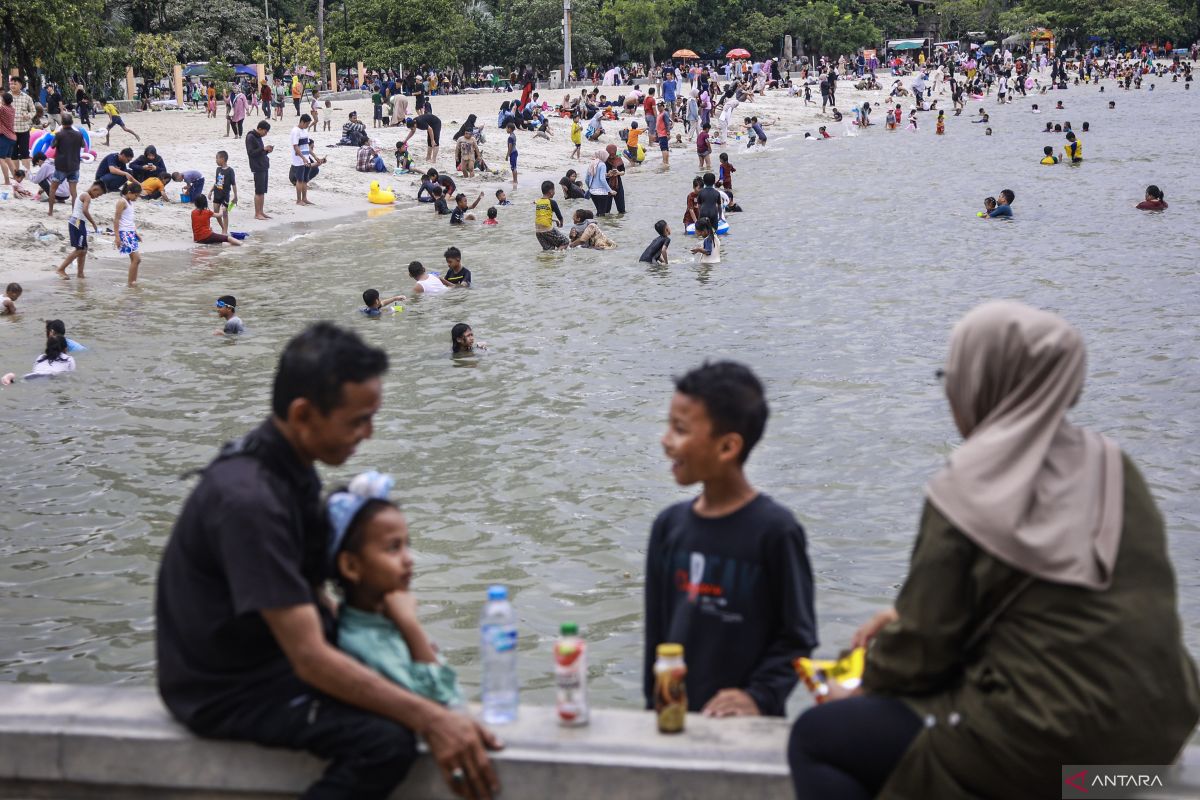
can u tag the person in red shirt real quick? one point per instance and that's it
(1155, 200)
(202, 232)
(648, 106)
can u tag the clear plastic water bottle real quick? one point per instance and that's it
(498, 642)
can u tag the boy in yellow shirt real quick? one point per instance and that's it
(115, 121)
(576, 136)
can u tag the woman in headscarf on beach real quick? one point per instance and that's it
(1038, 625)
(616, 171)
(595, 128)
(597, 183)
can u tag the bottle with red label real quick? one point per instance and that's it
(570, 676)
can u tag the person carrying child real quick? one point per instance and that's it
(727, 573)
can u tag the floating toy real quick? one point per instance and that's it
(239, 235)
(819, 674)
(722, 228)
(43, 142)
(379, 195)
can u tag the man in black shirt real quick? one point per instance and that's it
(260, 164)
(68, 152)
(242, 631)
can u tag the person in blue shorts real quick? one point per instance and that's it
(512, 151)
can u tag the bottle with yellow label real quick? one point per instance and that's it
(670, 690)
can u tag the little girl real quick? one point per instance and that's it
(377, 623)
(941, 124)
(127, 239)
(912, 120)
(462, 339)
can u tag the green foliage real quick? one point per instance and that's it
(153, 54)
(221, 74)
(227, 30)
(641, 25)
(539, 41)
(893, 18)
(760, 34)
(387, 33)
(57, 35)
(299, 47)
(825, 28)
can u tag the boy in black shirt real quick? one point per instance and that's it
(456, 274)
(224, 190)
(727, 574)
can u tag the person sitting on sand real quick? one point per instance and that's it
(354, 133)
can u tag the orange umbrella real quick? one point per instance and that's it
(684, 54)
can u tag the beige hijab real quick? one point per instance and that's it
(1027, 486)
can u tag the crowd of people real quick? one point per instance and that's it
(1037, 537)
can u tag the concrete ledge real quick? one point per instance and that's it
(59, 741)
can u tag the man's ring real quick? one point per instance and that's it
(457, 775)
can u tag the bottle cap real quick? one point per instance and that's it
(569, 629)
(670, 651)
(497, 593)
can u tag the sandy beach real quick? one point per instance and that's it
(187, 139)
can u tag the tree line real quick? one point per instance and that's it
(96, 39)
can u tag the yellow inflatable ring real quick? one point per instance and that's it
(379, 195)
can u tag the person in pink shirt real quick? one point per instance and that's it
(238, 114)
(8, 137)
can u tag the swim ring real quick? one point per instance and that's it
(722, 228)
(43, 142)
(379, 195)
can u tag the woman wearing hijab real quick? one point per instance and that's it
(597, 183)
(1037, 626)
(595, 128)
(616, 170)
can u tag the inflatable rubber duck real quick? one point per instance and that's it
(380, 196)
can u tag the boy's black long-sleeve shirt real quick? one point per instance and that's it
(737, 593)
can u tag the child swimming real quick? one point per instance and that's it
(462, 340)
(656, 253)
(1155, 200)
(374, 305)
(491, 217)
(1048, 157)
(369, 554)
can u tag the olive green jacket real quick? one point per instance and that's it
(1064, 675)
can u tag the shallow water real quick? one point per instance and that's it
(540, 466)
